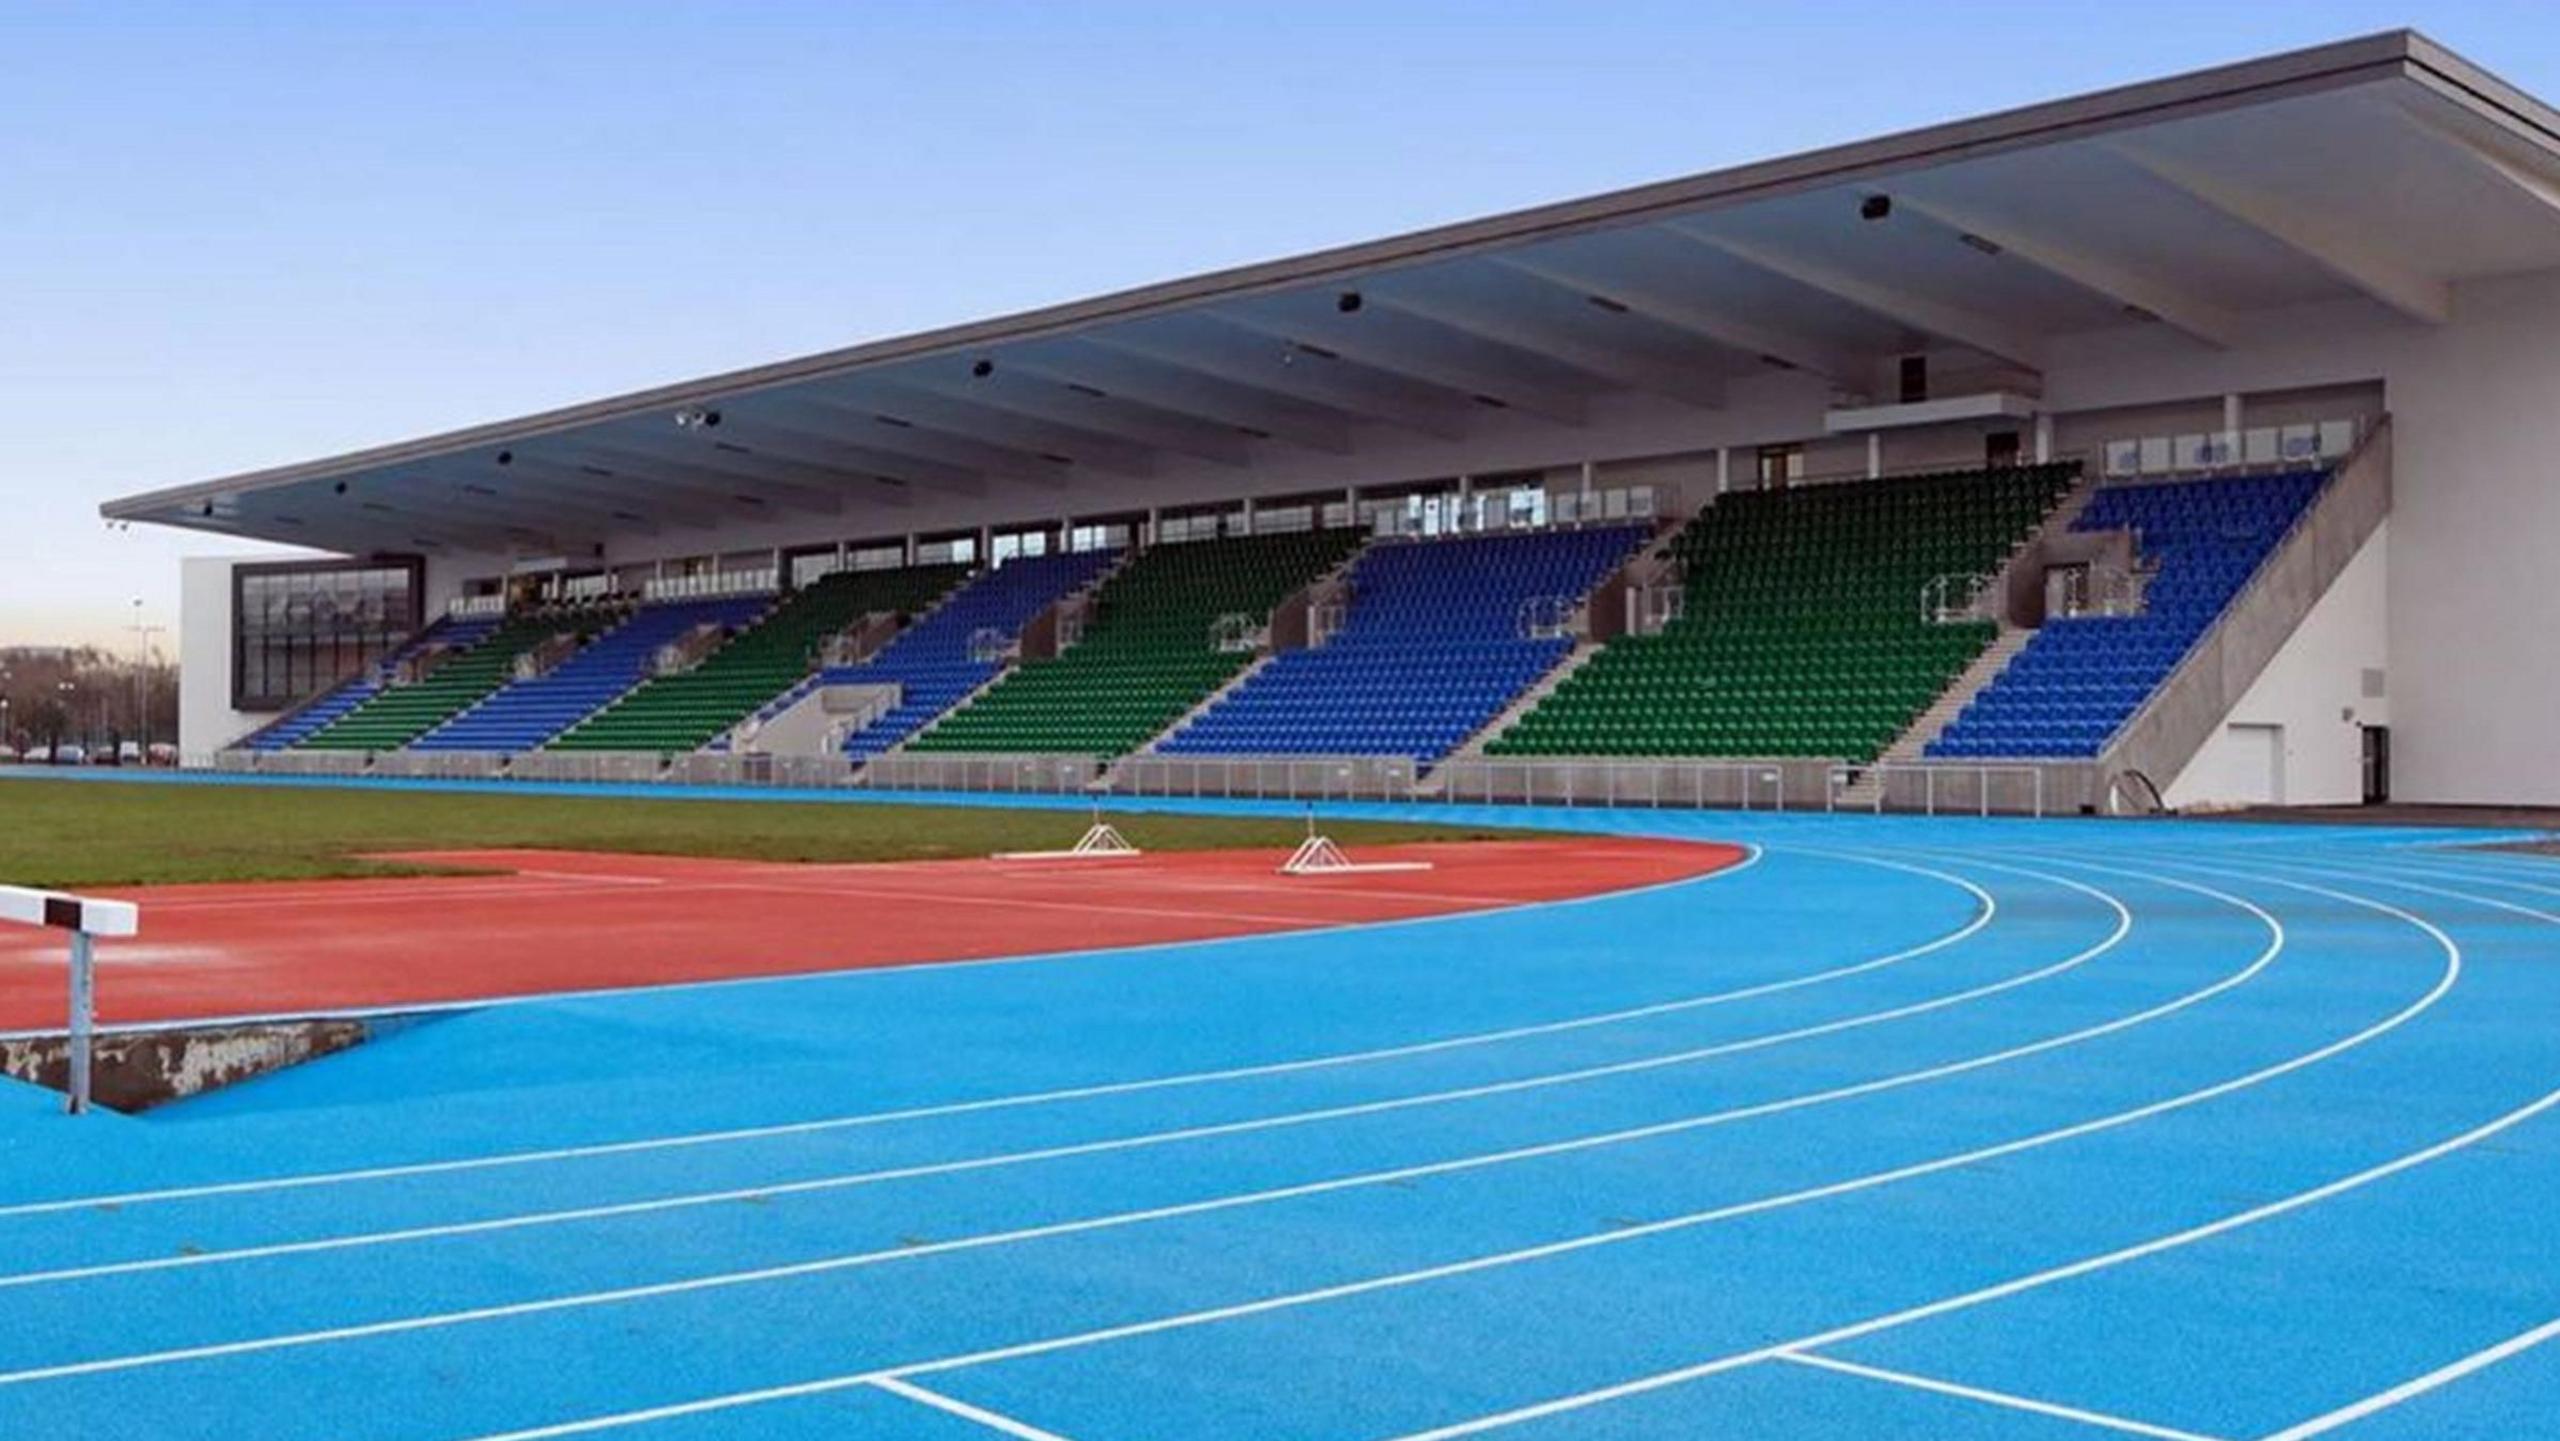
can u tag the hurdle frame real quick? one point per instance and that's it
(86, 918)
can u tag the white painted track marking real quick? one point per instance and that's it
(1988, 909)
(856, 1260)
(2418, 1386)
(827, 1265)
(953, 1406)
(2123, 926)
(2001, 1399)
(2452, 972)
(2018, 1285)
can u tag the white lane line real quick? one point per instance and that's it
(2462, 875)
(2021, 1284)
(2479, 1360)
(2001, 1399)
(952, 1405)
(832, 1264)
(2122, 927)
(1987, 910)
(2451, 973)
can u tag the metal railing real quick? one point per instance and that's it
(1060, 774)
(1943, 785)
(1547, 617)
(1957, 596)
(1694, 784)
(1376, 778)
(1931, 787)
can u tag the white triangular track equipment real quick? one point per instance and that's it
(1101, 843)
(1319, 855)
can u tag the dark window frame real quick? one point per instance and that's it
(297, 645)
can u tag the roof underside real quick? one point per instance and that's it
(2380, 170)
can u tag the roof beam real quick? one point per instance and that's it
(2179, 308)
(1225, 413)
(1027, 386)
(1699, 318)
(1332, 387)
(436, 497)
(957, 414)
(1922, 313)
(2483, 153)
(685, 504)
(767, 485)
(2325, 243)
(1624, 368)
(1344, 337)
(902, 435)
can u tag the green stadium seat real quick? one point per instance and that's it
(1148, 655)
(1801, 632)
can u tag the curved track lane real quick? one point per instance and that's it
(1956, 1128)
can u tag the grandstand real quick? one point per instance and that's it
(398, 715)
(1803, 632)
(1152, 652)
(1441, 635)
(940, 661)
(445, 634)
(688, 708)
(2144, 443)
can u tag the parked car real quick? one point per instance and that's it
(8, 754)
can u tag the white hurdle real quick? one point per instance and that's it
(1101, 843)
(1320, 855)
(86, 919)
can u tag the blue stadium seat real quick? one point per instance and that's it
(1432, 651)
(458, 634)
(2080, 678)
(930, 660)
(521, 715)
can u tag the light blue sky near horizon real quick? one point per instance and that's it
(235, 235)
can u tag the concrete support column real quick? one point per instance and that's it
(1875, 454)
(1724, 469)
(2231, 428)
(2044, 439)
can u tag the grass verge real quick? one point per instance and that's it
(67, 834)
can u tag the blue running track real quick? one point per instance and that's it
(1906, 1129)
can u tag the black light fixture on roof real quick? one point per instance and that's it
(506, 457)
(982, 369)
(695, 417)
(1875, 207)
(1349, 302)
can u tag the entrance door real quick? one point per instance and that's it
(2259, 764)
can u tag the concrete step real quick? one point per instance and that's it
(1913, 744)
(1525, 702)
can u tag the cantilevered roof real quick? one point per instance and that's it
(2379, 170)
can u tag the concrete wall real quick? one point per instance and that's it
(206, 721)
(2313, 697)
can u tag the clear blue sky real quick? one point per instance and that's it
(235, 235)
